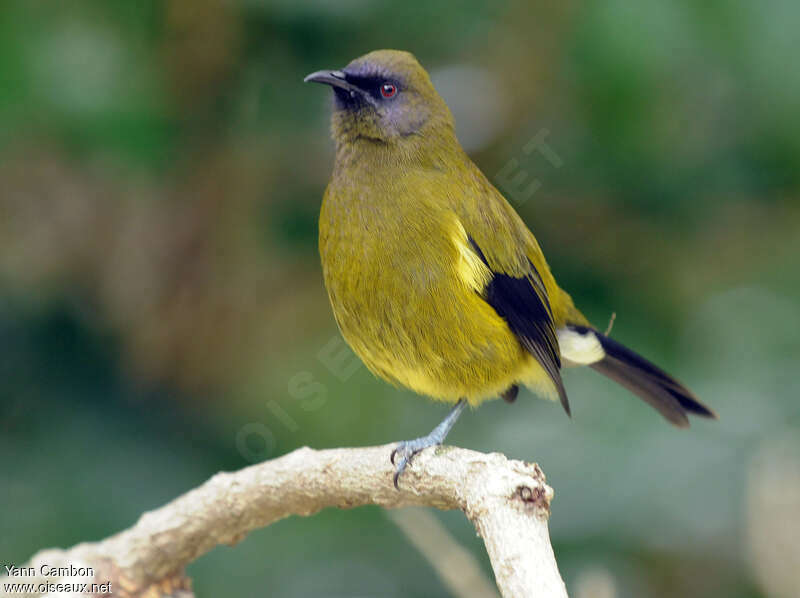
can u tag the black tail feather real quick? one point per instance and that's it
(647, 381)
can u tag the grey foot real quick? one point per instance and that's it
(405, 451)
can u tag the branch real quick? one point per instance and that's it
(507, 501)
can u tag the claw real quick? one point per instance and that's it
(404, 453)
(402, 462)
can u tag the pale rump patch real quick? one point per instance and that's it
(579, 349)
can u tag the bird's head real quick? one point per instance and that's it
(384, 96)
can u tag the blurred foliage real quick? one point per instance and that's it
(161, 168)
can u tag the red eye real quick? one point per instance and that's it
(388, 90)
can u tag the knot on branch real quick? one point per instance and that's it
(535, 496)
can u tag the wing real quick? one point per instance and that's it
(523, 303)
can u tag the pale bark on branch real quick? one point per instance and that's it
(507, 501)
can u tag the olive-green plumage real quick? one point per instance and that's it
(435, 281)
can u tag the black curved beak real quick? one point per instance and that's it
(332, 78)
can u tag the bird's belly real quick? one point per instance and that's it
(446, 348)
(473, 381)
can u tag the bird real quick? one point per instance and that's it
(434, 280)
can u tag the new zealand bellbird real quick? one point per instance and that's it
(435, 281)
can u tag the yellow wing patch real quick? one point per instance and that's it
(471, 269)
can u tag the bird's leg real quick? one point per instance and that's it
(406, 450)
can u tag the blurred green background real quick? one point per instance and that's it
(162, 307)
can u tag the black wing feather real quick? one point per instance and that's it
(522, 302)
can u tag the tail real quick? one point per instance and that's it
(644, 379)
